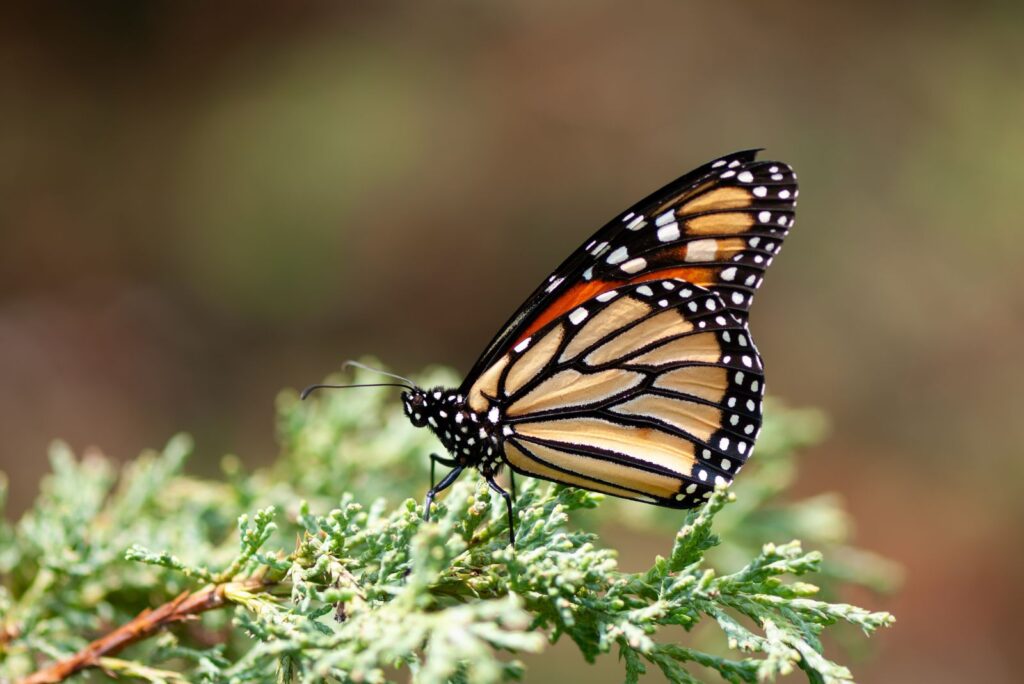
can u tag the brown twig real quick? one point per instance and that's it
(185, 606)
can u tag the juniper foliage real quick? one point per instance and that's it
(328, 573)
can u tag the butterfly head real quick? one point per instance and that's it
(415, 404)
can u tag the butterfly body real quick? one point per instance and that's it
(631, 370)
(472, 439)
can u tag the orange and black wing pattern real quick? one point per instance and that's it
(718, 227)
(650, 391)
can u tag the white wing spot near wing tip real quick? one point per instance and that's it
(764, 216)
(782, 221)
(691, 488)
(739, 377)
(750, 280)
(578, 316)
(720, 320)
(628, 216)
(748, 429)
(737, 298)
(522, 345)
(555, 284)
(723, 443)
(607, 296)
(760, 191)
(758, 259)
(746, 361)
(734, 163)
(703, 475)
(636, 224)
(754, 385)
(685, 292)
(745, 177)
(710, 304)
(743, 341)
(692, 306)
(634, 265)
(734, 419)
(750, 404)
(719, 480)
(773, 169)
(717, 164)
(728, 174)
(726, 464)
(729, 273)
(589, 273)
(706, 453)
(668, 217)
(669, 232)
(644, 290)
(702, 324)
(726, 359)
(776, 176)
(662, 302)
(668, 285)
(618, 256)
(783, 194)
(742, 446)
(731, 402)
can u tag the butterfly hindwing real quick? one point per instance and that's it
(718, 227)
(651, 391)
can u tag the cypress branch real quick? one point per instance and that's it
(152, 574)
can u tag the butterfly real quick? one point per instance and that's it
(631, 370)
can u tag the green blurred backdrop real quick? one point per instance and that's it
(203, 203)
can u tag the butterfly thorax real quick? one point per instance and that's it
(471, 438)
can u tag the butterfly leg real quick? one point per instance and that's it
(440, 487)
(434, 460)
(508, 507)
(512, 482)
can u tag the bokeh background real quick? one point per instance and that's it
(202, 203)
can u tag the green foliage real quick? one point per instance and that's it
(334, 576)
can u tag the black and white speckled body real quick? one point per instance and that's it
(473, 440)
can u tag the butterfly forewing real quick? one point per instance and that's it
(651, 391)
(718, 227)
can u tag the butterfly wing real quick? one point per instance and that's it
(650, 392)
(718, 227)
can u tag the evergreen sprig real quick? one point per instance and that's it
(318, 568)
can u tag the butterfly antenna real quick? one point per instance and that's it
(356, 364)
(312, 388)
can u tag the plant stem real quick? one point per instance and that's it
(185, 606)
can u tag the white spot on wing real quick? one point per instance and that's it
(634, 265)
(669, 232)
(578, 316)
(636, 224)
(618, 256)
(701, 250)
(522, 345)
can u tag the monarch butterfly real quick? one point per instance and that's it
(630, 370)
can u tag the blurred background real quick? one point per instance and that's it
(201, 204)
